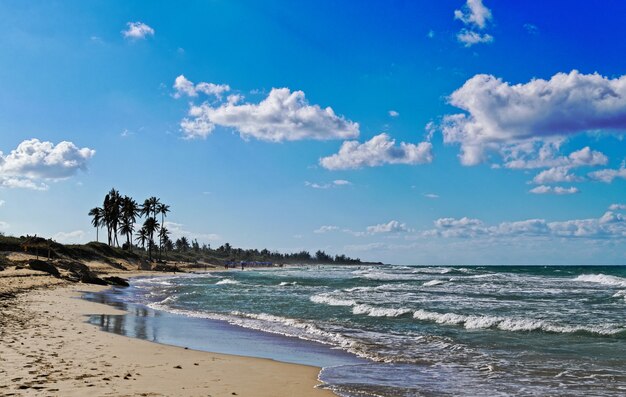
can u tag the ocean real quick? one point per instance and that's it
(401, 330)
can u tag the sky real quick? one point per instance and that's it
(410, 132)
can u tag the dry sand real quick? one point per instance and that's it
(47, 349)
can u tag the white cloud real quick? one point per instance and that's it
(4, 225)
(137, 31)
(431, 196)
(282, 116)
(379, 150)
(393, 113)
(73, 237)
(186, 87)
(474, 13)
(2, 203)
(341, 182)
(555, 175)
(389, 227)
(617, 207)
(470, 38)
(335, 183)
(543, 189)
(475, 16)
(452, 227)
(544, 155)
(609, 225)
(177, 231)
(430, 34)
(607, 175)
(22, 183)
(326, 229)
(34, 160)
(501, 114)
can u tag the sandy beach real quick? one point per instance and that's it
(47, 348)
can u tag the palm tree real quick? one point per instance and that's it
(97, 219)
(142, 237)
(163, 239)
(128, 216)
(151, 225)
(162, 209)
(111, 209)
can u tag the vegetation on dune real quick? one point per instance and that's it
(119, 216)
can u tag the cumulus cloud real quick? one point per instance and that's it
(609, 174)
(475, 16)
(33, 161)
(326, 229)
(379, 150)
(470, 38)
(545, 155)
(137, 31)
(393, 113)
(543, 189)
(499, 114)
(182, 87)
(474, 13)
(452, 227)
(609, 225)
(282, 116)
(555, 175)
(617, 207)
(389, 227)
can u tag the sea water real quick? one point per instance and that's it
(413, 330)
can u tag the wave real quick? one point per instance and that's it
(513, 324)
(325, 299)
(227, 281)
(379, 311)
(286, 283)
(433, 282)
(602, 279)
(382, 276)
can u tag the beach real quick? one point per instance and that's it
(48, 348)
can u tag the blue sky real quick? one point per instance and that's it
(262, 124)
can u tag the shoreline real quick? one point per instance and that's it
(48, 348)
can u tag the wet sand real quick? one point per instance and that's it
(47, 348)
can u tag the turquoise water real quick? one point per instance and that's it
(474, 331)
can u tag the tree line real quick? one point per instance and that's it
(119, 215)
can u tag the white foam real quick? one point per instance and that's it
(602, 279)
(326, 299)
(379, 311)
(285, 283)
(433, 282)
(511, 324)
(382, 276)
(227, 281)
